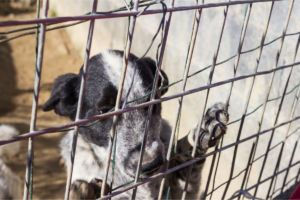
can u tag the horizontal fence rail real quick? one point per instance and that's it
(128, 14)
(143, 105)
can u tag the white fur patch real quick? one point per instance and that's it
(114, 65)
(152, 150)
(10, 184)
(83, 158)
(7, 132)
(191, 135)
(85, 169)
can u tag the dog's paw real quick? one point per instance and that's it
(97, 184)
(213, 126)
(83, 190)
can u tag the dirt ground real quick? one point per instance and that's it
(17, 60)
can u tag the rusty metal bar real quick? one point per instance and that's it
(186, 72)
(80, 100)
(213, 64)
(38, 73)
(203, 113)
(268, 92)
(128, 43)
(127, 14)
(249, 165)
(291, 116)
(241, 42)
(154, 88)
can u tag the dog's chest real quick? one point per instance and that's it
(88, 165)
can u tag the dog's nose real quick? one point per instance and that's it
(153, 164)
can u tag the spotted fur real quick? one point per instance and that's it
(102, 84)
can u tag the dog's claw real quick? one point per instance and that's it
(81, 189)
(214, 125)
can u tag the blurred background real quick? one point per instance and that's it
(65, 48)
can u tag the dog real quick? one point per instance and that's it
(10, 184)
(100, 94)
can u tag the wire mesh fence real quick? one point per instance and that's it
(248, 185)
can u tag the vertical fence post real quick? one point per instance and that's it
(154, 88)
(250, 91)
(213, 64)
(201, 119)
(38, 73)
(186, 72)
(291, 116)
(128, 43)
(80, 100)
(247, 17)
(267, 95)
(289, 166)
(241, 42)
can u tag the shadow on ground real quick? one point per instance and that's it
(288, 193)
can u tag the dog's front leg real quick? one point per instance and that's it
(213, 127)
(81, 189)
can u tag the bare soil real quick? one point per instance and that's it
(17, 69)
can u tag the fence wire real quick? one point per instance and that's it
(132, 11)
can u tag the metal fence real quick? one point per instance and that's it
(44, 24)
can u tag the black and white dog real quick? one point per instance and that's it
(100, 95)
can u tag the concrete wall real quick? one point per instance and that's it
(110, 34)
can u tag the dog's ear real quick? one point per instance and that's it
(152, 66)
(64, 96)
(165, 83)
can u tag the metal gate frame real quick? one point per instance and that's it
(132, 12)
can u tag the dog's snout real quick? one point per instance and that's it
(152, 164)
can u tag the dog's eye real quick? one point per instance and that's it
(104, 110)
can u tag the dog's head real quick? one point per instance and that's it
(102, 84)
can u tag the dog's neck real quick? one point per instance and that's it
(90, 163)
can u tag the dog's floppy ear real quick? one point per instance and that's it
(152, 66)
(64, 96)
(165, 83)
